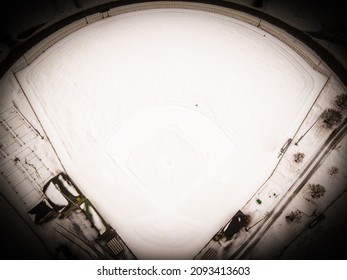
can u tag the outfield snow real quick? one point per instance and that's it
(169, 120)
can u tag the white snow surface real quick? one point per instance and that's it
(97, 221)
(169, 120)
(56, 196)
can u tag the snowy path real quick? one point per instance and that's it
(198, 102)
(335, 185)
(292, 194)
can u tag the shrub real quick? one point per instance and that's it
(294, 216)
(316, 190)
(341, 101)
(331, 117)
(333, 171)
(299, 157)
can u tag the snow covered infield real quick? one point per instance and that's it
(169, 119)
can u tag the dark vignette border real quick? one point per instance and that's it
(17, 51)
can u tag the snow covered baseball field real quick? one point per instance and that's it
(169, 120)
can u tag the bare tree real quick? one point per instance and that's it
(331, 117)
(316, 190)
(294, 216)
(299, 157)
(333, 171)
(341, 101)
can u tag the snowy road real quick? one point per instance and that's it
(160, 117)
(335, 137)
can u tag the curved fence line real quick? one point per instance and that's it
(302, 50)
